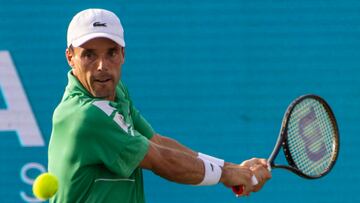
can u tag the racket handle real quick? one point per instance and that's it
(269, 166)
(239, 189)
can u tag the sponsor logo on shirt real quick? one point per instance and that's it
(118, 118)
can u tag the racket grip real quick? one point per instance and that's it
(239, 189)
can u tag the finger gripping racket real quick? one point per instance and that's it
(309, 137)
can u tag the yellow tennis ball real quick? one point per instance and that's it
(45, 186)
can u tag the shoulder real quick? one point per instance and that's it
(122, 91)
(83, 110)
(122, 86)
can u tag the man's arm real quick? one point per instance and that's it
(256, 165)
(184, 168)
(172, 144)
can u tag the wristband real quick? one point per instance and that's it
(219, 162)
(212, 173)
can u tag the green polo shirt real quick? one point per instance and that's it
(96, 147)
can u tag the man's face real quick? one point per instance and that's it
(97, 65)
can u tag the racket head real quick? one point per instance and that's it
(309, 137)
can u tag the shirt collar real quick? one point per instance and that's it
(75, 87)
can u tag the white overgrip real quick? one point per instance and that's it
(254, 180)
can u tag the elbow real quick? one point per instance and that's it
(158, 158)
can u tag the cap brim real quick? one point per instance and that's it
(84, 39)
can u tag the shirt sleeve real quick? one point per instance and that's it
(101, 140)
(140, 123)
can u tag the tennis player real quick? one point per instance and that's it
(100, 142)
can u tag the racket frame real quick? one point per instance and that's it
(282, 140)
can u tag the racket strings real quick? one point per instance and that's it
(310, 137)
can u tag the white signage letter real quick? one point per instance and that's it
(18, 116)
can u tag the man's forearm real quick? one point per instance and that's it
(172, 144)
(184, 168)
(180, 167)
(173, 165)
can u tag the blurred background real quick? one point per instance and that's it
(215, 75)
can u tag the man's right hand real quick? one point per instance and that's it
(259, 167)
(235, 175)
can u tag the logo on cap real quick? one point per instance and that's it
(98, 24)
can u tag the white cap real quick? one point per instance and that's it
(93, 23)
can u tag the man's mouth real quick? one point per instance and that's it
(103, 80)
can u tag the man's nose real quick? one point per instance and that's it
(102, 64)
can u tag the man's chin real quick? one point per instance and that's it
(108, 94)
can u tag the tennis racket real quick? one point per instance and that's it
(309, 137)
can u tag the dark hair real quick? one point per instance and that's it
(71, 49)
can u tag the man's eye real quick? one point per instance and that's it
(113, 53)
(88, 55)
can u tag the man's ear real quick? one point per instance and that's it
(69, 57)
(123, 54)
